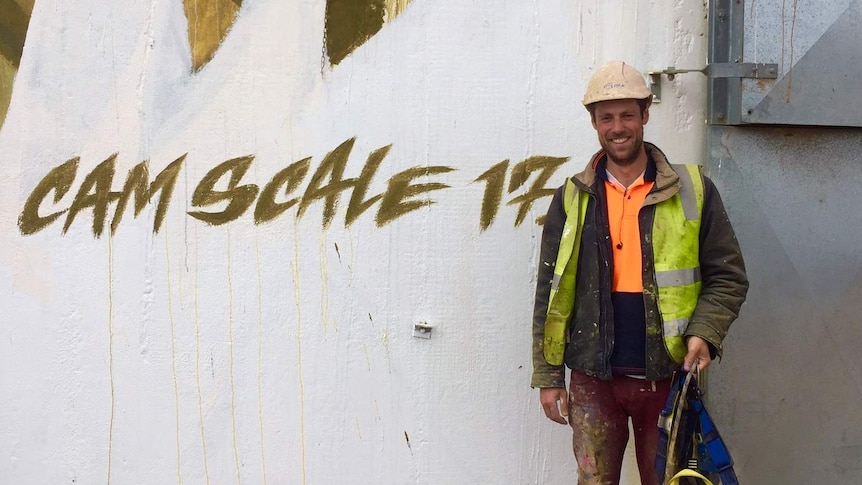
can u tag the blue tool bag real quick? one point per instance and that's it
(690, 450)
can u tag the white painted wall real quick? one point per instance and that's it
(263, 354)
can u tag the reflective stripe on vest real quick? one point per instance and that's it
(675, 243)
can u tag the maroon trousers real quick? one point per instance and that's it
(599, 413)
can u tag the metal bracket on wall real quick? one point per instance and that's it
(714, 71)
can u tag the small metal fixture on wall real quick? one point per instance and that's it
(422, 330)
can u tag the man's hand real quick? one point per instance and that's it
(698, 350)
(555, 401)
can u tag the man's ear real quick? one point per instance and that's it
(646, 111)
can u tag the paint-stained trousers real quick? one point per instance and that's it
(599, 412)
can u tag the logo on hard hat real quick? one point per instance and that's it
(614, 85)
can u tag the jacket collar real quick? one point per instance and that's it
(666, 179)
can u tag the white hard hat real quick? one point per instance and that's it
(616, 80)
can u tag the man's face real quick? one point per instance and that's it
(620, 127)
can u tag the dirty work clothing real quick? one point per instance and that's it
(592, 337)
(599, 413)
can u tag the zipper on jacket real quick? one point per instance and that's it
(606, 308)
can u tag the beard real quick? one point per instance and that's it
(624, 155)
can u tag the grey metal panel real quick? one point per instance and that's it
(787, 394)
(817, 48)
(782, 31)
(824, 87)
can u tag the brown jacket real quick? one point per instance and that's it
(590, 346)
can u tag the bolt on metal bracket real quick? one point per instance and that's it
(748, 70)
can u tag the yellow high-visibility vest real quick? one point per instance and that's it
(675, 244)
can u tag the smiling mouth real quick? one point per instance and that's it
(619, 141)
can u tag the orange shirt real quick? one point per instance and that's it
(624, 204)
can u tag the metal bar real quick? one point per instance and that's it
(726, 29)
(713, 71)
(742, 70)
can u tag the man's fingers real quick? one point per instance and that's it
(688, 363)
(702, 360)
(564, 404)
(552, 411)
(554, 400)
(553, 414)
(698, 351)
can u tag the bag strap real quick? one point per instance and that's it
(664, 426)
(719, 456)
(668, 425)
(686, 393)
(686, 472)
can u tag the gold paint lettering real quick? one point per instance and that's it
(136, 183)
(99, 182)
(60, 181)
(333, 165)
(402, 194)
(357, 206)
(239, 197)
(494, 179)
(394, 203)
(520, 174)
(267, 208)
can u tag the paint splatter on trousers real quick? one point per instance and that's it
(599, 413)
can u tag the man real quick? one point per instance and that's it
(640, 274)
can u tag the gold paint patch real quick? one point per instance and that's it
(14, 21)
(209, 23)
(395, 7)
(350, 23)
